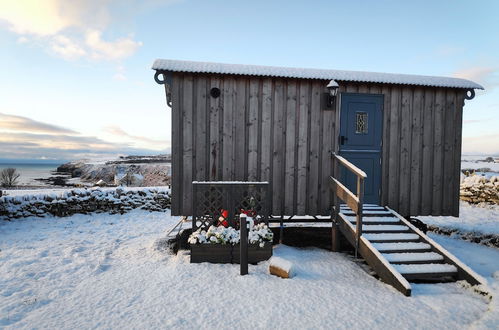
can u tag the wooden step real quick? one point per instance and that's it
(426, 271)
(369, 212)
(375, 220)
(384, 229)
(413, 258)
(390, 237)
(364, 208)
(402, 247)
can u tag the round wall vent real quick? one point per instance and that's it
(215, 92)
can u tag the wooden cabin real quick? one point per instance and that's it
(281, 125)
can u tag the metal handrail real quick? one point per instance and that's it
(355, 202)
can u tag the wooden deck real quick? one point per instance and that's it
(399, 252)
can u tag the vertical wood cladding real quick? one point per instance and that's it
(273, 129)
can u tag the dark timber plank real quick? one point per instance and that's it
(290, 148)
(438, 152)
(302, 146)
(266, 140)
(239, 135)
(214, 126)
(394, 176)
(385, 156)
(457, 152)
(229, 90)
(328, 129)
(449, 145)
(405, 151)
(176, 151)
(278, 147)
(416, 152)
(315, 148)
(253, 133)
(187, 138)
(200, 131)
(427, 157)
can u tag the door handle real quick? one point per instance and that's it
(343, 139)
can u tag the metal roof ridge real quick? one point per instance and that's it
(312, 73)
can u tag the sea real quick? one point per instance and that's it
(30, 172)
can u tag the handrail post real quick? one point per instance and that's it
(335, 244)
(357, 202)
(243, 245)
(360, 196)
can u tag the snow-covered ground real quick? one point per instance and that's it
(477, 162)
(480, 219)
(109, 271)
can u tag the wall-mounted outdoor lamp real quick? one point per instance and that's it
(329, 99)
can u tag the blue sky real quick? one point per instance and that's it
(76, 79)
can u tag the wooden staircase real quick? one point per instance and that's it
(394, 248)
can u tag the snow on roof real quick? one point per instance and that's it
(340, 75)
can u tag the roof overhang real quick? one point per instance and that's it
(338, 75)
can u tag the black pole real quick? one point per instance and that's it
(243, 230)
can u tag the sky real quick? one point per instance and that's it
(76, 79)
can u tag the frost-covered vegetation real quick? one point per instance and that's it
(258, 234)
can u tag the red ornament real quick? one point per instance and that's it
(222, 221)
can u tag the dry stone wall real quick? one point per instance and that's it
(116, 200)
(478, 189)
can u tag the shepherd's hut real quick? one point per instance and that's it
(282, 125)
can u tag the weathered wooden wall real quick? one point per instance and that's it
(273, 129)
(421, 156)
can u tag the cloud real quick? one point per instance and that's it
(19, 123)
(66, 48)
(101, 49)
(25, 138)
(135, 139)
(68, 29)
(474, 121)
(488, 76)
(484, 144)
(34, 17)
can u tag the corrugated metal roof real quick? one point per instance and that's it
(340, 75)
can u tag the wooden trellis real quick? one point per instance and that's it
(211, 198)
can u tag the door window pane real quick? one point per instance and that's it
(361, 123)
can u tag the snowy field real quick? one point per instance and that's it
(483, 219)
(477, 162)
(108, 271)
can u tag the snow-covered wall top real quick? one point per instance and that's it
(340, 75)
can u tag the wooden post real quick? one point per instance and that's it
(193, 206)
(281, 229)
(335, 244)
(360, 196)
(243, 244)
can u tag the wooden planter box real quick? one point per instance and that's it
(255, 253)
(227, 253)
(214, 253)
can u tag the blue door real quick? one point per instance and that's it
(361, 119)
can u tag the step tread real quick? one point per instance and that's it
(425, 269)
(384, 228)
(374, 219)
(368, 212)
(413, 257)
(401, 246)
(391, 237)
